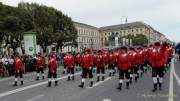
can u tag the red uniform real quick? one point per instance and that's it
(123, 61)
(53, 65)
(69, 61)
(87, 61)
(157, 58)
(100, 61)
(95, 59)
(78, 59)
(18, 65)
(39, 62)
(105, 57)
(112, 58)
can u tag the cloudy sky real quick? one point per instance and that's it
(163, 15)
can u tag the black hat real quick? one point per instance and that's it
(157, 44)
(124, 48)
(99, 51)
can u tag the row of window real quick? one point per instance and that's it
(87, 32)
(126, 31)
(87, 40)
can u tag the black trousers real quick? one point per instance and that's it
(20, 74)
(54, 75)
(124, 74)
(158, 71)
(87, 72)
(70, 70)
(101, 70)
(40, 70)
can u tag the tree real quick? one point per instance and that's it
(51, 25)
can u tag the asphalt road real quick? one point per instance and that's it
(103, 91)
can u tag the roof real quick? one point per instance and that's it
(124, 26)
(85, 25)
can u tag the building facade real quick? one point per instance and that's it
(88, 36)
(133, 28)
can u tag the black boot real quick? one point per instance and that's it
(130, 80)
(15, 83)
(103, 78)
(109, 74)
(56, 83)
(160, 86)
(127, 85)
(37, 78)
(43, 77)
(49, 84)
(91, 84)
(68, 78)
(120, 86)
(155, 88)
(81, 85)
(113, 73)
(22, 82)
(98, 78)
(136, 79)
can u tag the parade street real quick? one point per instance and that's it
(33, 90)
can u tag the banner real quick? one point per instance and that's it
(30, 43)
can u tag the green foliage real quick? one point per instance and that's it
(139, 39)
(51, 25)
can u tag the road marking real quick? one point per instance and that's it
(106, 100)
(171, 98)
(100, 82)
(176, 76)
(35, 98)
(30, 86)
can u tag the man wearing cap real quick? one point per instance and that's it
(87, 63)
(52, 71)
(157, 61)
(100, 66)
(19, 67)
(123, 66)
(112, 60)
(40, 66)
(69, 62)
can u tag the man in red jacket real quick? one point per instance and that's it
(69, 62)
(123, 66)
(100, 66)
(133, 64)
(157, 61)
(19, 67)
(52, 71)
(95, 60)
(78, 60)
(39, 66)
(87, 63)
(112, 60)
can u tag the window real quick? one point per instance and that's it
(132, 30)
(105, 34)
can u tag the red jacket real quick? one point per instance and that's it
(123, 61)
(100, 61)
(78, 59)
(95, 59)
(157, 58)
(39, 62)
(133, 59)
(105, 57)
(18, 64)
(87, 61)
(69, 61)
(112, 58)
(53, 65)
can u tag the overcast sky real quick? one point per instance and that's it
(163, 15)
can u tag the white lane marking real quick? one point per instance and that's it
(175, 75)
(106, 100)
(171, 98)
(35, 98)
(30, 86)
(100, 82)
